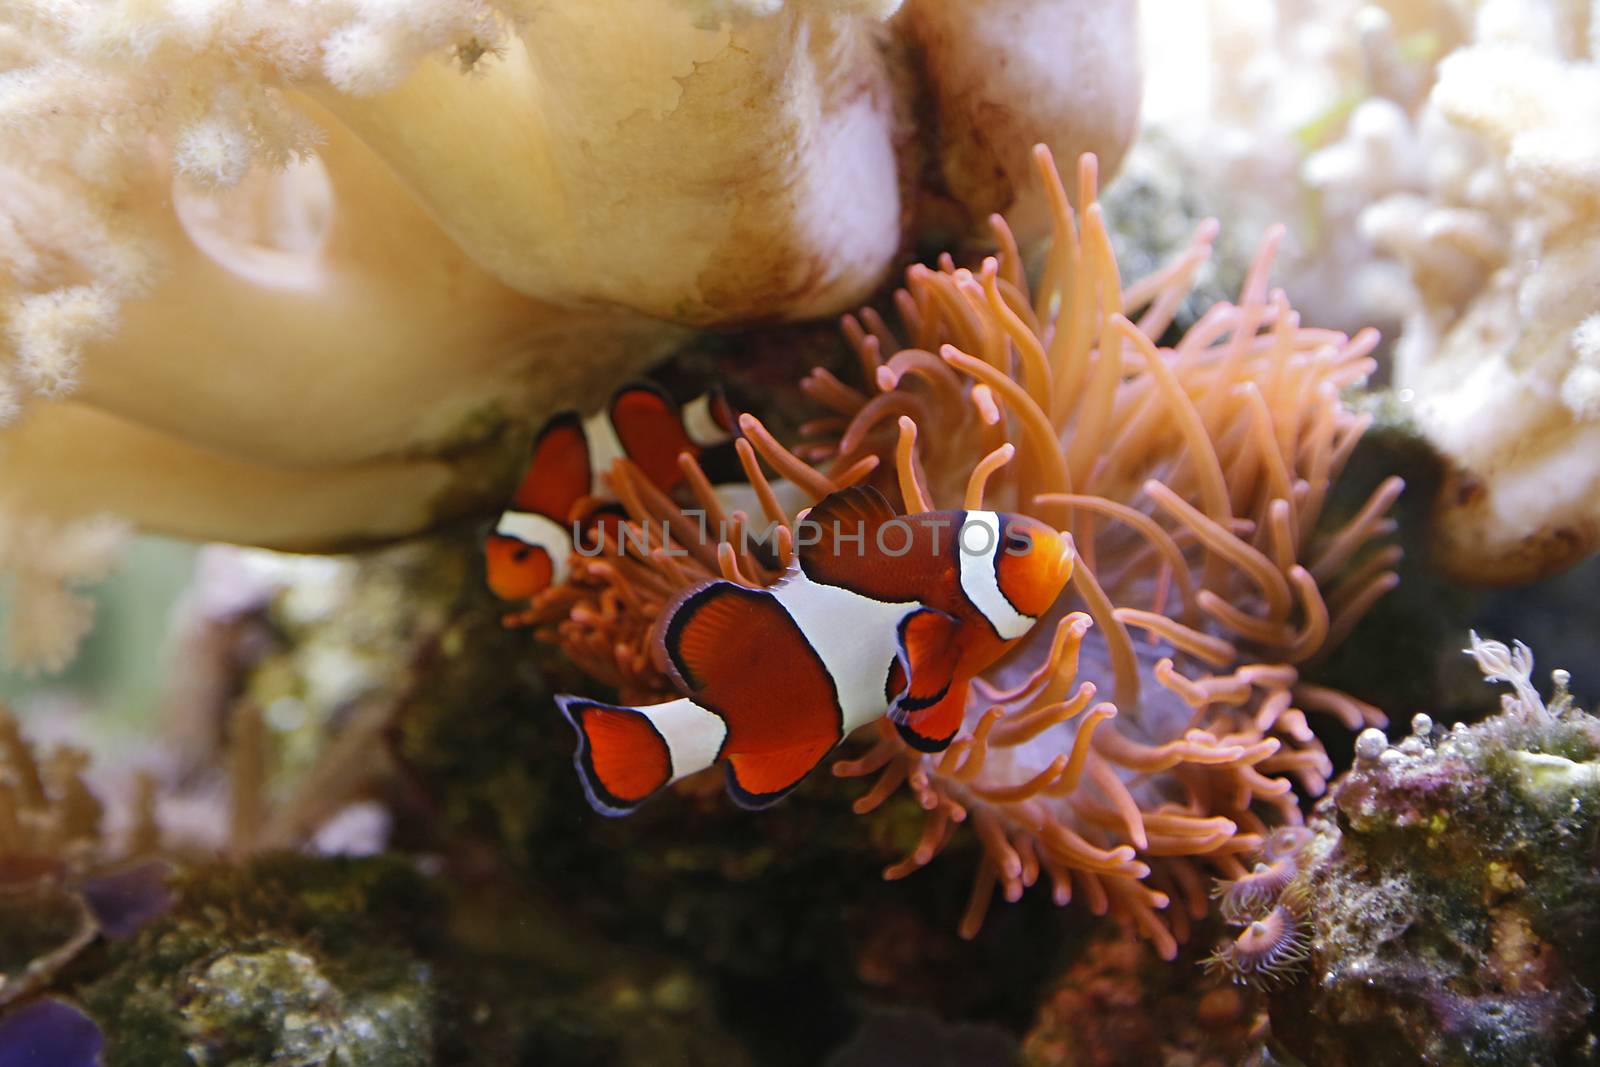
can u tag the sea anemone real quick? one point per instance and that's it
(1191, 478)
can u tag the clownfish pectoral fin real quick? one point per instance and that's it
(559, 474)
(626, 753)
(926, 662)
(760, 780)
(651, 431)
(931, 729)
(721, 410)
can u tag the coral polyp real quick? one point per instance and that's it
(1266, 950)
(1149, 734)
(1245, 897)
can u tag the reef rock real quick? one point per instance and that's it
(1452, 893)
(302, 962)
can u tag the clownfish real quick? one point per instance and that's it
(878, 615)
(530, 546)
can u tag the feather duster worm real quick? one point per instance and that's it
(1150, 734)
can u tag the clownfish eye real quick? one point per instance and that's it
(1018, 544)
(522, 553)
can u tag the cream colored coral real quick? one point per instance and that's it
(47, 563)
(606, 173)
(1449, 155)
(1504, 250)
(281, 271)
(712, 13)
(1295, 112)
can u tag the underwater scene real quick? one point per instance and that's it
(799, 533)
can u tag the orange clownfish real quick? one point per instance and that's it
(530, 546)
(879, 615)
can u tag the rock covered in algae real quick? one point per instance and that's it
(1453, 893)
(284, 963)
(291, 961)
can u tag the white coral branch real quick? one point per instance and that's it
(47, 564)
(50, 329)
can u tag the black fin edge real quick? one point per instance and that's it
(600, 798)
(755, 801)
(921, 742)
(903, 704)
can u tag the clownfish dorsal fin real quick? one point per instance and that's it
(760, 779)
(840, 534)
(857, 504)
(651, 431)
(559, 474)
(927, 661)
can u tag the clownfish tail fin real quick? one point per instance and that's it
(625, 754)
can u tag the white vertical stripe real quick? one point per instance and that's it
(702, 426)
(605, 448)
(977, 549)
(694, 735)
(856, 637)
(543, 532)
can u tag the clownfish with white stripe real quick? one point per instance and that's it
(878, 615)
(530, 546)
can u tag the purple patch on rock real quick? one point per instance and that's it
(49, 1033)
(124, 900)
